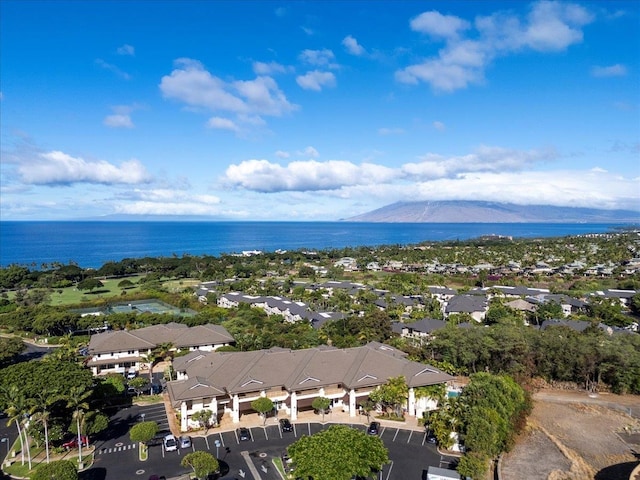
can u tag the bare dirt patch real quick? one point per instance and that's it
(573, 436)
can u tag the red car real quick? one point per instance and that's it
(73, 443)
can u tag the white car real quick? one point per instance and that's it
(170, 443)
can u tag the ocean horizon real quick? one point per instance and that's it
(91, 244)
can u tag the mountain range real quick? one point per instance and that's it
(466, 211)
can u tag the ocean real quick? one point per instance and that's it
(92, 244)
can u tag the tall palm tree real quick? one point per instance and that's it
(18, 410)
(44, 400)
(77, 399)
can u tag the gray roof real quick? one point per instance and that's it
(294, 370)
(466, 304)
(426, 325)
(148, 338)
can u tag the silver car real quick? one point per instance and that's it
(185, 441)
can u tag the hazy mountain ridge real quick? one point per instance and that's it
(466, 211)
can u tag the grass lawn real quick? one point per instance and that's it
(73, 296)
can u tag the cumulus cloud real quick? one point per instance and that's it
(617, 70)
(282, 154)
(271, 68)
(316, 80)
(319, 58)
(112, 68)
(126, 50)
(118, 121)
(468, 50)
(310, 175)
(121, 117)
(59, 168)
(220, 123)
(309, 152)
(437, 25)
(352, 46)
(193, 85)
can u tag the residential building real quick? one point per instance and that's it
(227, 382)
(119, 351)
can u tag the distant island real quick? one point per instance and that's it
(466, 211)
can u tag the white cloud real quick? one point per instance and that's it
(118, 121)
(271, 68)
(58, 168)
(121, 117)
(437, 25)
(282, 154)
(352, 46)
(309, 152)
(190, 83)
(310, 175)
(617, 70)
(441, 127)
(390, 131)
(166, 202)
(220, 123)
(126, 50)
(319, 58)
(549, 27)
(316, 80)
(112, 68)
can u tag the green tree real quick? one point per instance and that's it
(321, 404)
(78, 400)
(203, 417)
(10, 348)
(17, 408)
(338, 453)
(90, 284)
(143, 432)
(392, 394)
(202, 463)
(138, 383)
(473, 465)
(58, 470)
(262, 405)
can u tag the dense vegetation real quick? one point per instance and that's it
(497, 354)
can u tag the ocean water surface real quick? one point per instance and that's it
(91, 244)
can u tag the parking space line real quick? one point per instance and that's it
(394, 437)
(206, 440)
(266, 434)
(295, 434)
(309, 426)
(389, 472)
(221, 439)
(410, 433)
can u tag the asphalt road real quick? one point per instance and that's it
(116, 457)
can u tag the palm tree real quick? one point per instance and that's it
(77, 399)
(18, 410)
(45, 400)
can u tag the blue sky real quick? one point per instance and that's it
(260, 110)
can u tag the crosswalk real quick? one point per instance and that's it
(116, 449)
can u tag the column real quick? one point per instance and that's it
(411, 408)
(235, 412)
(352, 403)
(214, 409)
(184, 424)
(294, 406)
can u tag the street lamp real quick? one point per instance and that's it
(217, 444)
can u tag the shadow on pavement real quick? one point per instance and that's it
(93, 474)
(620, 471)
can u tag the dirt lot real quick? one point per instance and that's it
(572, 436)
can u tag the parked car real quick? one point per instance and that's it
(243, 434)
(431, 438)
(285, 425)
(185, 441)
(73, 442)
(374, 428)
(131, 374)
(170, 443)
